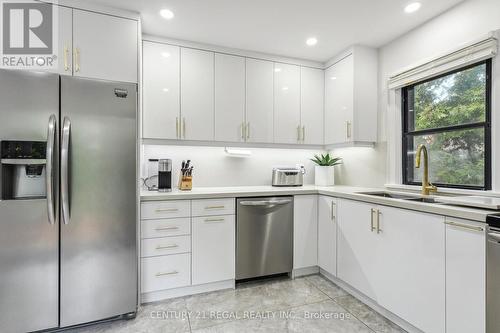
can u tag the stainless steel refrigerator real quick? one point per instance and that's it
(68, 252)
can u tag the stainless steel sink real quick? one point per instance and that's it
(390, 195)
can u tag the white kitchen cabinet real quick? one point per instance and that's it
(305, 231)
(213, 252)
(165, 272)
(229, 98)
(287, 103)
(64, 41)
(357, 246)
(327, 234)
(410, 279)
(312, 90)
(259, 100)
(465, 276)
(197, 94)
(104, 46)
(161, 89)
(351, 98)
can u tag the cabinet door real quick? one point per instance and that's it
(197, 94)
(229, 98)
(286, 103)
(161, 104)
(213, 249)
(312, 87)
(411, 267)
(259, 100)
(465, 277)
(105, 47)
(327, 234)
(305, 231)
(357, 246)
(339, 99)
(64, 41)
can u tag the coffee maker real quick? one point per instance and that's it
(165, 175)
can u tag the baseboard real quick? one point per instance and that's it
(305, 271)
(160, 295)
(371, 303)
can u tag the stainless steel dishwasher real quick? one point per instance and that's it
(264, 236)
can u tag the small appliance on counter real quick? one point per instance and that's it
(151, 182)
(186, 176)
(165, 175)
(288, 176)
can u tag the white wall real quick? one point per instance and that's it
(213, 167)
(464, 23)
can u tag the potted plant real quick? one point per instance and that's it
(323, 171)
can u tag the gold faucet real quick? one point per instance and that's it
(427, 187)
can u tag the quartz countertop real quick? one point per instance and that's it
(346, 192)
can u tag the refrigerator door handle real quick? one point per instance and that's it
(66, 130)
(49, 169)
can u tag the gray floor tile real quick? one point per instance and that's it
(326, 286)
(371, 318)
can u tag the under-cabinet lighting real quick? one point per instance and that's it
(237, 152)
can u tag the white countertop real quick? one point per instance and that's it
(347, 192)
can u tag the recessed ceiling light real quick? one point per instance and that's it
(333, 78)
(284, 88)
(165, 89)
(412, 7)
(165, 54)
(167, 14)
(311, 41)
(277, 69)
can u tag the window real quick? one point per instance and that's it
(450, 115)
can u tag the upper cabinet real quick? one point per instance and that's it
(259, 100)
(287, 127)
(230, 122)
(96, 46)
(161, 91)
(197, 94)
(312, 87)
(351, 98)
(104, 47)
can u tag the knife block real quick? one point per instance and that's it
(185, 183)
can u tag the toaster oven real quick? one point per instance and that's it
(288, 176)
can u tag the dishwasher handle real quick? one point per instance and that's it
(265, 202)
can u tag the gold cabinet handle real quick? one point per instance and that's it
(333, 210)
(348, 129)
(165, 247)
(184, 128)
(464, 226)
(167, 209)
(177, 128)
(242, 131)
(66, 54)
(77, 59)
(298, 133)
(378, 221)
(248, 131)
(303, 133)
(166, 273)
(166, 228)
(214, 220)
(215, 207)
(372, 227)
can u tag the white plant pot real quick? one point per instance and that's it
(324, 175)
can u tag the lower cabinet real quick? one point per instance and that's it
(305, 231)
(397, 258)
(165, 272)
(213, 255)
(327, 234)
(465, 276)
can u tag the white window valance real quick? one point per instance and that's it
(480, 50)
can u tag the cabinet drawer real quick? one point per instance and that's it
(209, 207)
(166, 245)
(165, 227)
(165, 272)
(165, 209)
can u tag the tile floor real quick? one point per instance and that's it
(308, 304)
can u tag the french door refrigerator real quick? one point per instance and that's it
(68, 252)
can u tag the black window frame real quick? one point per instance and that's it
(407, 135)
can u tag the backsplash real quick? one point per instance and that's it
(213, 167)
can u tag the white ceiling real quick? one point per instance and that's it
(281, 26)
